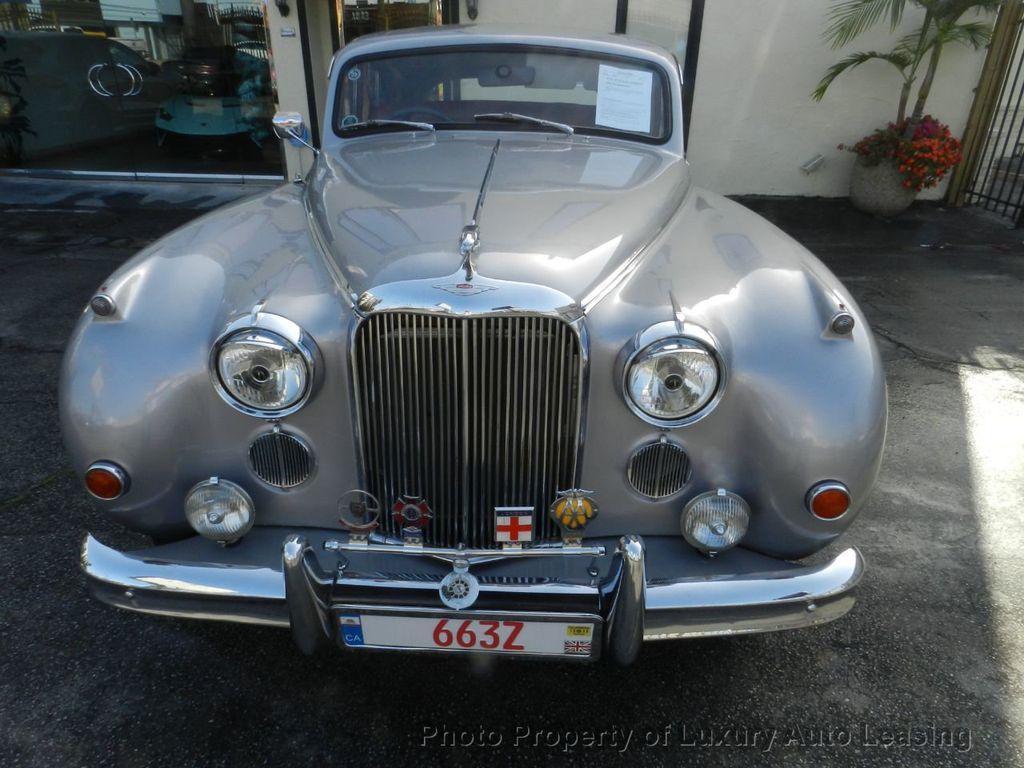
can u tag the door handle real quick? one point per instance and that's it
(93, 78)
(136, 87)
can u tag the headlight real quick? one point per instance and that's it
(219, 510)
(262, 372)
(672, 378)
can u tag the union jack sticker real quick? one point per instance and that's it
(577, 647)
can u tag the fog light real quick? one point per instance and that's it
(105, 480)
(829, 500)
(219, 510)
(715, 521)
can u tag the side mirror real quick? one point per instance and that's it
(291, 127)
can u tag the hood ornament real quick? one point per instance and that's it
(468, 245)
(469, 241)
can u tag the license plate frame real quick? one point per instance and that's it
(541, 635)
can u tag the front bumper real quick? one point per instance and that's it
(638, 590)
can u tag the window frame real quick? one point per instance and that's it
(611, 133)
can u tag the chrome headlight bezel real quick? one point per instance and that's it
(287, 330)
(688, 334)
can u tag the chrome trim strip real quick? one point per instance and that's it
(229, 178)
(470, 613)
(320, 240)
(629, 265)
(383, 582)
(333, 545)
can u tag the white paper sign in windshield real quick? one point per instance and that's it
(624, 99)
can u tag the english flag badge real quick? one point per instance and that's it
(513, 526)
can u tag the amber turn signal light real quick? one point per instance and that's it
(828, 501)
(105, 480)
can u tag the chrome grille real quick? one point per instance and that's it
(658, 470)
(469, 413)
(280, 459)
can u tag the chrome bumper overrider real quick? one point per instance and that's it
(638, 589)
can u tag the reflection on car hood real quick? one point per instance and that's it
(560, 212)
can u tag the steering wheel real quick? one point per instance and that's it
(416, 113)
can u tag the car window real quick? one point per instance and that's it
(122, 54)
(589, 91)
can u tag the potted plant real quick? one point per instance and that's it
(913, 152)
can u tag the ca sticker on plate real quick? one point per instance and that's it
(351, 628)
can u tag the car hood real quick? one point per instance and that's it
(565, 213)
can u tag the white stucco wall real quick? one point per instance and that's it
(582, 15)
(754, 122)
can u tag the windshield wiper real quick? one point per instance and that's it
(514, 117)
(411, 125)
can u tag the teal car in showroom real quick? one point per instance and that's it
(223, 100)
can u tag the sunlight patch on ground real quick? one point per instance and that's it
(994, 411)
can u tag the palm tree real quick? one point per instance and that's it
(940, 27)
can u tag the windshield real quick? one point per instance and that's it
(449, 88)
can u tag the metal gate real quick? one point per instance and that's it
(992, 173)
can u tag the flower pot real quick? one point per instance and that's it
(878, 189)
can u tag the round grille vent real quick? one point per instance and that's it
(280, 459)
(658, 470)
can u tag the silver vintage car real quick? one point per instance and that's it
(495, 377)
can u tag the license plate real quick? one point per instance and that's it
(497, 635)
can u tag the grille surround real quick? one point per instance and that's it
(280, 459)
(471, 413)
(659, 470)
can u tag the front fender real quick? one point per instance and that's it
(135, 387)
(800, 405)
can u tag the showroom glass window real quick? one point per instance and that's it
(137, 86)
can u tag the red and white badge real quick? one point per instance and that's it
(513, 525)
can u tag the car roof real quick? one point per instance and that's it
(519, 34)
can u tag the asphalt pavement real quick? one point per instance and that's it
(926, 670)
